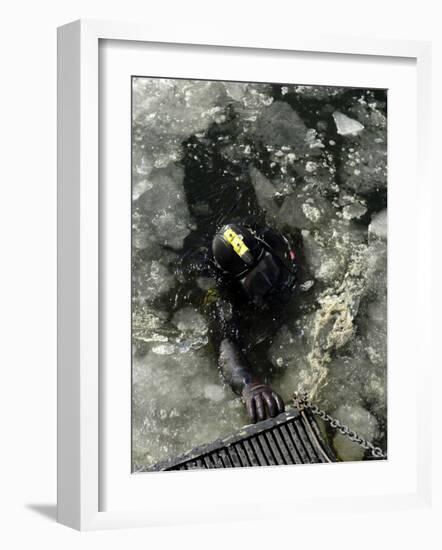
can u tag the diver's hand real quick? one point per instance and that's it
(261, 401)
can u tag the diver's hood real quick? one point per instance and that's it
(269, 281)
(236, 249)
(262, 278)
(263, 273)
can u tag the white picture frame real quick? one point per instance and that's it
(80, 445)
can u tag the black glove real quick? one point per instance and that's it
(261, 401)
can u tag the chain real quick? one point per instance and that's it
(302, 402)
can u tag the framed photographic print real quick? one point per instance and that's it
(226, 211)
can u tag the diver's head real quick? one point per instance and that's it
(263, 273)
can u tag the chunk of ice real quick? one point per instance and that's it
(189, 320)
(152, 282)
(162, 208)
(363, 167)
(279, 125)
(265, 192)
(236, 90)
(353, 211)
(307, 285)
(345, 125)
(322, 262)
(164, 349)
(311, 212)
(378, 226)
(358, 420)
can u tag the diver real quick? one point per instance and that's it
(250, 268)
(255, 273)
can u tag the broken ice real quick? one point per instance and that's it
(315, 159)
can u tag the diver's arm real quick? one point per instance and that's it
(235, 368)
(260, 400)
(225, 335)
(226, 338)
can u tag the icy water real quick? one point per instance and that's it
(309, 161)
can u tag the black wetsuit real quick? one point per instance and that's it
(240, 331)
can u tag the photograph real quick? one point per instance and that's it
(258, 274)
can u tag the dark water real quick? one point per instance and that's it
(204, 153)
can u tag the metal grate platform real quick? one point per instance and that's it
(292, 437)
